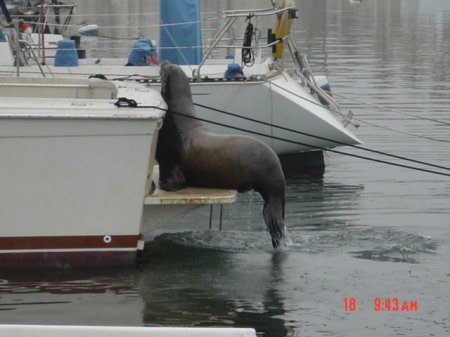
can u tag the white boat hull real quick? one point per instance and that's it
(73, 178)
(11, 330)
(279, 100)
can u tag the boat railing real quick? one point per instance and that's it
(49, 15)
(303, 70)
(267, 45)
(257, 12)
(22, 49)
(26, 48)
(231, 16)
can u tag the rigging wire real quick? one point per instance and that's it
(393, 110)
(132, 103)
(116, 26)
(317, 147)
(322, 138)
(363, 121)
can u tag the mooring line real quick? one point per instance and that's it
(317, 147)
(370, 123)
(402, 112)
(323, 138)
(121, 101)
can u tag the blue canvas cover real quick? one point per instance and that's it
(173, 34)
(66, 54)
(2, 36)
(143, 53)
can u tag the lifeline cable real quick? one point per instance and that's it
(121, 102)
(381, 107)
(317, 147)
(323, 138)
(362, 121)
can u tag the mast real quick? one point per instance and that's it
(42, 31)
(5, 11)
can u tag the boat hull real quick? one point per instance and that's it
(53, 259)
(277, 99)
(73, 178)
(12, 330)
(286, 109)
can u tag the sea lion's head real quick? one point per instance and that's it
(174, 82)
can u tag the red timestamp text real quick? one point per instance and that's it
(383, 304)
(394, 304)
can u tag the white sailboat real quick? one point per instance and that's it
(261, 89)
(76, 173)
(25, 330)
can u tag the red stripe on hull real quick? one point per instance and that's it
(68, 242)
(67, 260)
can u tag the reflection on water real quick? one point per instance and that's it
(208, 287)
(92, 297)
(363, 230)
(312, 204)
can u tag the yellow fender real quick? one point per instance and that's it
(282, 28)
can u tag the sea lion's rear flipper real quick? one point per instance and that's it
(274, 217)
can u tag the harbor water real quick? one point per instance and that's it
(369, 243)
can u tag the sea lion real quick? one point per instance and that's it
(190, 155)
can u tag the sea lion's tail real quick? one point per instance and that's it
(273, 213)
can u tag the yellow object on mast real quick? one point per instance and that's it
(282, 28)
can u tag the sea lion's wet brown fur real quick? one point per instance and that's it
(190, 155)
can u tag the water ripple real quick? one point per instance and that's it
(371, 244)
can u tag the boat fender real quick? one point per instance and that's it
(66, 54)
(322, 82)
(89, 30)
(233, 71)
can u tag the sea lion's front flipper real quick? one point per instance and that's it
(176, 181)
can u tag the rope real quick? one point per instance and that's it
(178, 48)
(320, 137)
(116, 27)
(247, 55)
(318, 147)
(394, 110)
(402, 132)
(93, 14)
(131, 104)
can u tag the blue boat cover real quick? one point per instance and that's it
(174, 36)
(2, 36)
(142, 53)
(66, 54)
